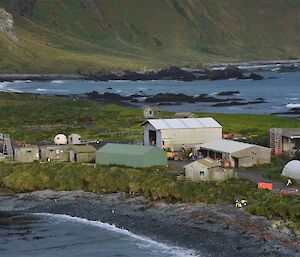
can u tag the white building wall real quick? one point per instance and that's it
(190, 136)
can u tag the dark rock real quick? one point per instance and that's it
(227, 93)
(170, 98)
(291, 68)
(109, 88)
(106, 96)
(235, 103)
(255, 76)
(228, 73)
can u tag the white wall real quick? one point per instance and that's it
(191, 136)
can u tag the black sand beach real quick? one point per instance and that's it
(209, 229)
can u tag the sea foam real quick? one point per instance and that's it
(293, 105)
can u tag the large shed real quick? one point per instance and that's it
(176, 133)
(137, 156)
(82, 153)
(207, 169)
(236, 154)
(26, 153)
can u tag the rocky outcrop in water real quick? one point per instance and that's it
(7, 25)
(173, 73)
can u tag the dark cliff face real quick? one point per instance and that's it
(24, 7)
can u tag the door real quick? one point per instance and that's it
(236, 162)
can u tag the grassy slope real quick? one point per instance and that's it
(33, 118)
(63, 36)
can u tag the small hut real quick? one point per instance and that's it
(82, 153)
(151, 112)
(207, 170)
(184, 115)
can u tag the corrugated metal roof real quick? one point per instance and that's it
(208, 162)
(183, 123)
(225, 146)
(83, 148)
(291, 132)
(126, 149)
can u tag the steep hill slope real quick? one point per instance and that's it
(67, 35)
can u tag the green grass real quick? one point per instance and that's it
(35, 118)
(155, 183)
(64, 36)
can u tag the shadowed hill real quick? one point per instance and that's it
(71, 35)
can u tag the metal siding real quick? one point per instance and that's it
(184, 123)
(149, 159)
(158, 139)
(191, 136)
(155, 157)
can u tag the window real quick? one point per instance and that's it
(28, 151)
(150, 112)
(202, 173)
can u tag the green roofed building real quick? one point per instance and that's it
(137, 156)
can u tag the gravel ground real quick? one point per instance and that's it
(211, 230)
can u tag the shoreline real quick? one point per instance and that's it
(210, 71)
(211, 230)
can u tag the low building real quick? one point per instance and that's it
(26, 153)
(55, 153)
(285, 141)
(137, 156)
(82, 153)
(235, 154)
(184, 115)
(176, 133)
(290, 141)
(207, 169)
(151, 112)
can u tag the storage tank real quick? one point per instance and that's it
(292, 170)
(74, 139)
(60, 139)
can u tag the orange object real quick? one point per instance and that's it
(265, 185)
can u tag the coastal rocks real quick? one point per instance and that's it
(107, 96)
(236, 103)
(255, 76)
(228, 93)
(228, 73)
(291, 68)
(7, 25)
(172, 73)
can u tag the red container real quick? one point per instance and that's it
(265, 185)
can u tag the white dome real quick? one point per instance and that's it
(74, 139)
(60, 139)
(292, 169)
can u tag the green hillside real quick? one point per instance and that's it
(63, 36)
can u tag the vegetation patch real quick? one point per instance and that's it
(155, 183)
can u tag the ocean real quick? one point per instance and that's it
(48, 235)
(281, 91)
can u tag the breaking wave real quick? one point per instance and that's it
(293, 105)
(173, 250)
(57, 82)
